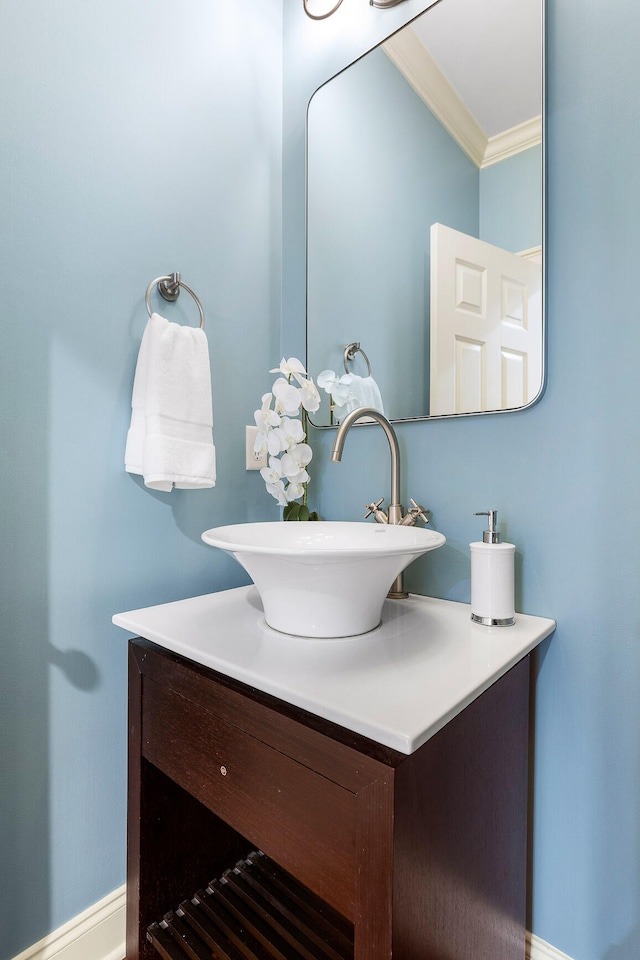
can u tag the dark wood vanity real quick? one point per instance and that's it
(418, 856)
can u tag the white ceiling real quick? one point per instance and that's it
(491, 53)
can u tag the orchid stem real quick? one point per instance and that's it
(305, 426)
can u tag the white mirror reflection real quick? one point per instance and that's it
(425, 218)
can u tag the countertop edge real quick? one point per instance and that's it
(537, 628)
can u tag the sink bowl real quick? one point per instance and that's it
(326, 578)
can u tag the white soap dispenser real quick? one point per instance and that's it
(492, 577)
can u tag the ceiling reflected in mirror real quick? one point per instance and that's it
(425, 217)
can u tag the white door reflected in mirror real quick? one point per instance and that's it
(486, 326)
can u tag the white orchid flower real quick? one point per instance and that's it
(326, 379)
(290, 368)
(282, 432)
(293, 470)
(301, 455)
(278, 491)
(274, 442)
(273, 473)
(266, 420)
(287, 398)
(338, 387)
(293, 368)
(294, 491)
(265, 417)
(290, 432)
(301, 478)
(309, 396)
(304, 453)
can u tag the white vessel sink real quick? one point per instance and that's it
(323, 579)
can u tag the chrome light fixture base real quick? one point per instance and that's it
(323, 16)
(320, 16)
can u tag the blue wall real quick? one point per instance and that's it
(133, 142)
(99, 193)
(510, 201)
(564, 474)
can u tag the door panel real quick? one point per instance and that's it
(486, 325)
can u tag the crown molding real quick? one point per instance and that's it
(533, 253)
(407, 52)
(410, 56)
(513, 141)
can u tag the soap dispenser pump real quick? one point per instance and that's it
(492, 577)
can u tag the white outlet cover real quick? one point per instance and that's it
(253, 462)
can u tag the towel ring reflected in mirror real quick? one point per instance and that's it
(349, 354)
(169, 287)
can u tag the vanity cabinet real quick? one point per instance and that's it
(418, 856)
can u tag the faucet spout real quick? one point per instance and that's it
(394, 515)
(395, 509)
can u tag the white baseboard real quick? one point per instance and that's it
(96, 934)
(99, 934)
(538, 949)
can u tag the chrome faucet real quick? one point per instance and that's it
(395, 513)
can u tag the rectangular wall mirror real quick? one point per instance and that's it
(425, 222)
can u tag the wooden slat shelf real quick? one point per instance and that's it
(254, 911)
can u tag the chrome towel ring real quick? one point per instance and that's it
(169, 288)
(349, 354)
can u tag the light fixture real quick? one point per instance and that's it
(323, 16)
(320, 16)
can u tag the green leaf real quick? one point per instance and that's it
(303, 512)
(291, 510)
(298, 511)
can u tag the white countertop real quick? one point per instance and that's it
(398, 684)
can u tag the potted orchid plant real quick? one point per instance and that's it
(283, 422)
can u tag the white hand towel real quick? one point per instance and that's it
(170, 440)
(364, 393)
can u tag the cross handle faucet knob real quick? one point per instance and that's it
(374, 508)
(416, 512)
(419, 511)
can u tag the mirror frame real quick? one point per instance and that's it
(544, 350)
